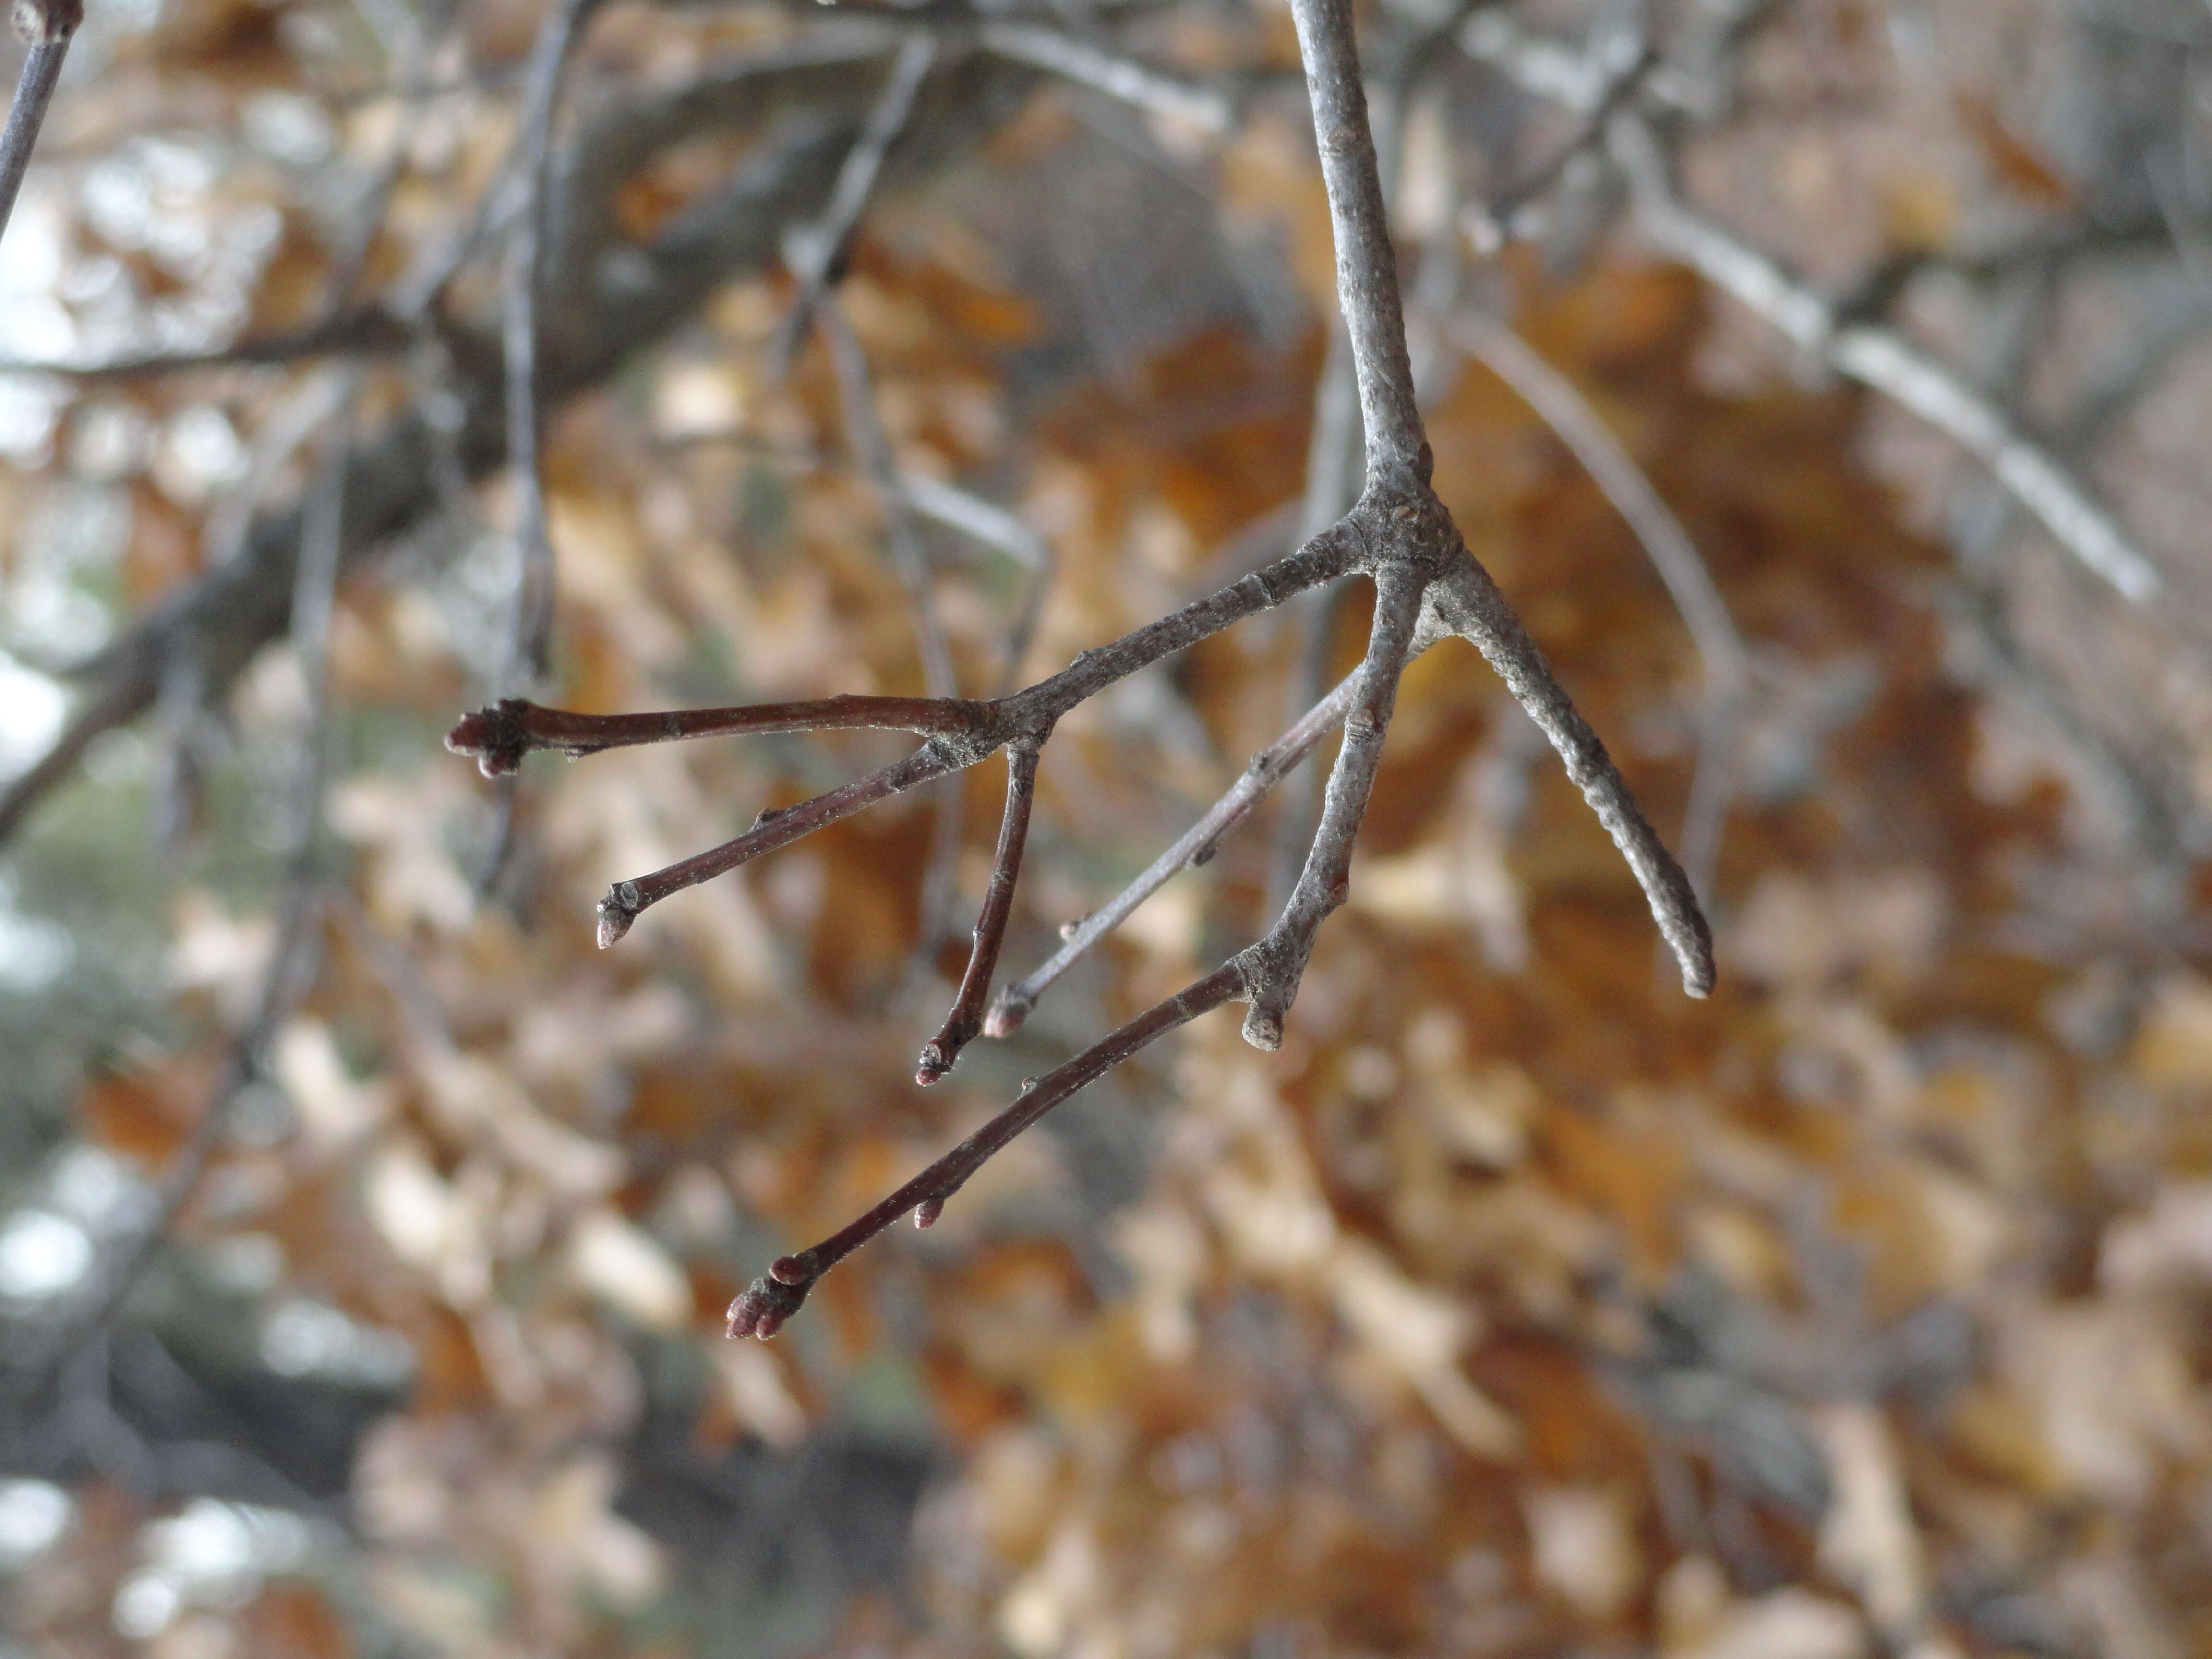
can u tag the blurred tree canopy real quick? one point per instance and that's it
(1825, 381)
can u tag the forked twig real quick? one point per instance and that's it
(1425, 584)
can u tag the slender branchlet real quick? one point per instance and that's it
(815, 251)
(500, 736)
(1276, 964)
(763, 1309)
(45, 27)
(965, 1023)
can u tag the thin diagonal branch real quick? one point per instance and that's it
(620, 908)
(762, 1309)
(816, 250)
(965, 1022)
(1208, 108)
(1892, 365)
(45, 27)
(1467, 602)
(1491, 224)
(1726, 663)
(1268, 768)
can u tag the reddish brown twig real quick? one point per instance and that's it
(965, 1022)
(772, 1299)
(625, 899)
(500, 736)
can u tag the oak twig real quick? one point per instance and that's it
(965, 1022)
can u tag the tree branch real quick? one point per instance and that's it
(965, 1022)
(1727, 665)
(1889, 363)
(45, 27)
(816, 251)
(499, 737)
(763, 1309)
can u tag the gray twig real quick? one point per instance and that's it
(1042, 46)
(45, 27)
(531, 647)
(1885, 359)
(814, 252)
(1727, 665)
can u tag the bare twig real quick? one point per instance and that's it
(1275, 966)
(865, 433)
(1268, 768)
(531, 647)
(1398, 532)
(1044, 47)
(1882, 358)
(499, 737)
(992, 526)
(1468, 602)
(965, 1023)
(45, 27)
(1727, 665)
(771, 1300)
(815, 252)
